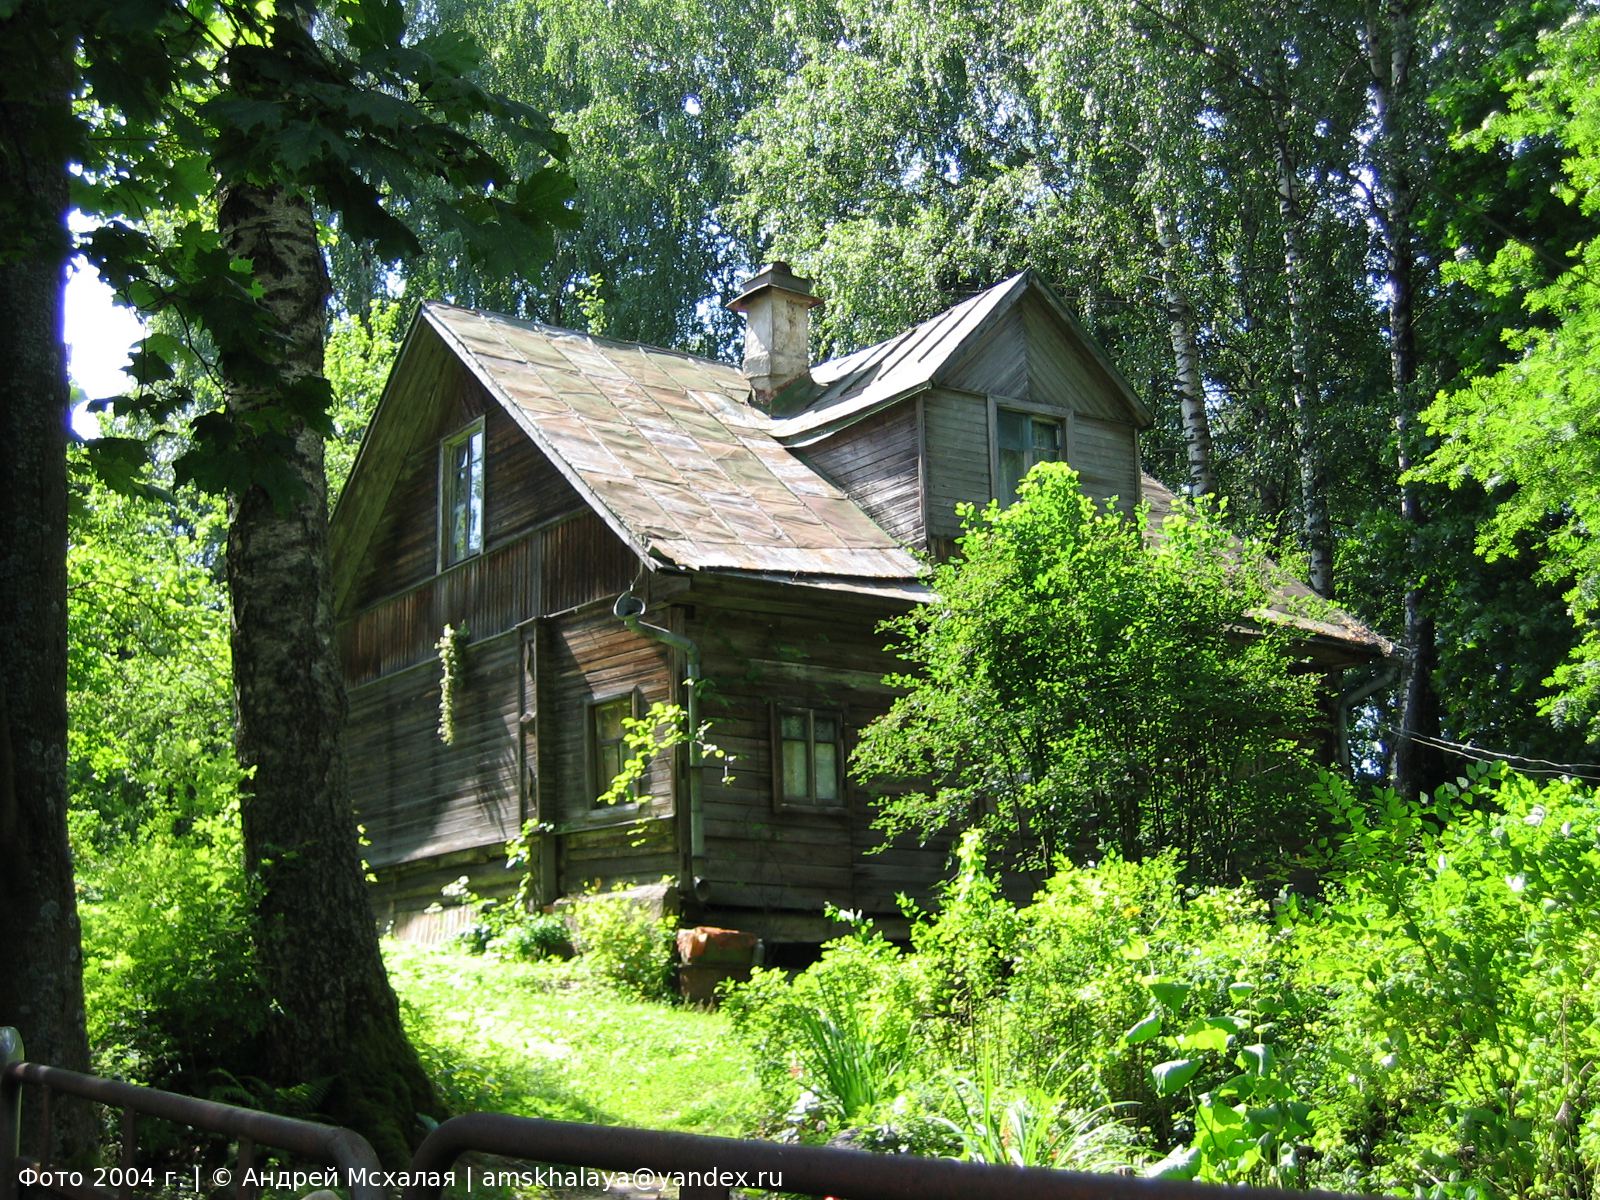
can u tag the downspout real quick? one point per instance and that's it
(629, 609)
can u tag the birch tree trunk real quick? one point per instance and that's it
(1318, 529)
(333, 1011)
(1390, 37)
(1186, 358)
(41, 985)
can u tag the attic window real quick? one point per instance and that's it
(461, 495)
(808, 758)
(1024, 441)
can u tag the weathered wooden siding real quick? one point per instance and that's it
(584, 562)
(522, 488)
(1035, 363)
(876, 463)
(1062, 372)
(762, 646)
(560, 567)
(1106, 457)
(999, 362)
(418, 797)
(591, 656)
(958, 457)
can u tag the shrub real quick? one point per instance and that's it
(1079, 686)
(623, 942)
(839, 1039)
(169, 979)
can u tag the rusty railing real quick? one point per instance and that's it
(343, 1149)
(528, 1153)
(705, 1168)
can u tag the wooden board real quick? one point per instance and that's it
(958, 457)
(876, 463)
(761, 649)
(1105, 455)
(417, 797)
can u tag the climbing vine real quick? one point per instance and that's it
(449, 648)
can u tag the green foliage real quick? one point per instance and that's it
(1460, 942)
(1530, 431)
(546, 1039)
(839, 1037)
(853, 1067)
(169, 982)
(449, 650)
(1080, 683)
(1032, 1127)
(506, 928)
(1429, 1024)
(360, 351)
(624, 942)
(168, 975)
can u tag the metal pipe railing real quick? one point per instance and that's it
(706, 1167)
(330, 1145)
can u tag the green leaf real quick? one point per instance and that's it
(1142, 1032)
(1170, 1077)
(1182, 1163)
(1169, 995)
(1207, 1034)
(1256, 1059)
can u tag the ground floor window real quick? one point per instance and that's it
(808, 757)
(607, 748)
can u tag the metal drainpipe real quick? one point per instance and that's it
(629, 609)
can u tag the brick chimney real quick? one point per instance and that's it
(777, 306)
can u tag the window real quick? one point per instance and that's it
(461, 495)
(1024, 440)
(808, 758)
(607, 750)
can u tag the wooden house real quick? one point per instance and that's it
(606, 519)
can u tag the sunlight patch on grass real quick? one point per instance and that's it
(544, 1040)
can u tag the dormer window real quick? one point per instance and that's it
(461, 495)
(1024, 440)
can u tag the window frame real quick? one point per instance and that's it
(448, 498)
(781, 800)
(592, 746)
(1033, 413)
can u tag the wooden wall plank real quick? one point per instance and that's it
(589, 656)
(416, 796)
(958, 457)
(1105, 455)
(999, 363)
(875, 463)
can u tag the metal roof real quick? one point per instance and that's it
(864, 381)
(1293, 603)
(666, 449)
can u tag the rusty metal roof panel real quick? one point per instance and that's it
(665, 449)
(858, 383)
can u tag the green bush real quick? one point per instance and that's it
(1081, 685)
(169, 980)
(622, 942)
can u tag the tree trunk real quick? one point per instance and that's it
(1186, 359)
(1318, 529)
(41, 985)
(1389, 37)
(334, 1013)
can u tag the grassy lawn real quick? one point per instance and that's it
(542, 1040)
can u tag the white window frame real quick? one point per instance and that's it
(448, 499)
